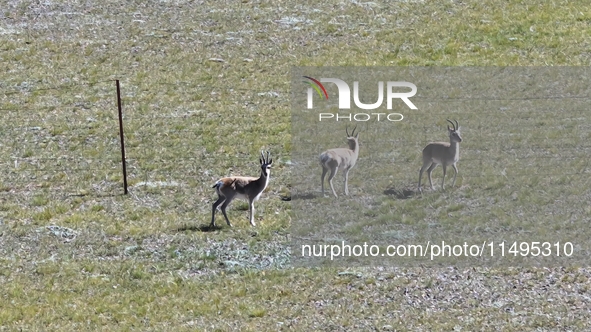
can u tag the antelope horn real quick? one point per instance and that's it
(457, 125)
(353, 132)
(452, 124)
(347, 130)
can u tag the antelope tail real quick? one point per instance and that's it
(324, 158)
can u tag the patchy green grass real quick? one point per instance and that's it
(205, 86)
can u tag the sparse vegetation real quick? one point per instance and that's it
(75, 254)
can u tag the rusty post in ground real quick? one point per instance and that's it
(121, 136)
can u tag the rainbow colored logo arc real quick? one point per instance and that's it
(316, 85)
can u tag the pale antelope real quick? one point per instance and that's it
(340, 158)
(244, 187)
(442, 153)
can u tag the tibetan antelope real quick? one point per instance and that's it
(245, 187)
(340, 158)
(442, 153)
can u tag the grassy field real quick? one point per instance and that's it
(206, 86)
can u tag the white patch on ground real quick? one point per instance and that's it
(154, 184)
(180, 113)
(4, 31)
(269, 94)
(66, 233)
(290, 21)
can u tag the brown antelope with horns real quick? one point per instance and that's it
(340, 158)
(244, 187)
(442, 153)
